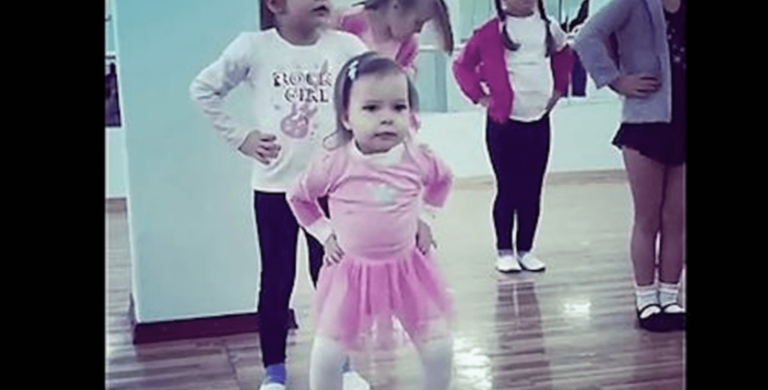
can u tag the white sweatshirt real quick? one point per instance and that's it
(292, 89)
(529, 69)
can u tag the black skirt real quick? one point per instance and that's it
(662, 142)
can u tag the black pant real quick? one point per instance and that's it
(519, 153)
(578, 78)
(278, 232)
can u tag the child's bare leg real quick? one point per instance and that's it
(646, 180)
(672, 227)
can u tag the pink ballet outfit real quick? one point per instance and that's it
(375, 203)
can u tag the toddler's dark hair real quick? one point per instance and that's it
(364, 64)
(513, 46)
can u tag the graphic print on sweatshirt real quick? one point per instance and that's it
(304, 91)
(384, 194)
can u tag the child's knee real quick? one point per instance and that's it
(328, 352)
(437, 352)
(325, 366)
(649, 223)
(672, 217)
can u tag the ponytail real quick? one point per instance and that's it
(267, 18)
(508, 43)
(549, 40)
(443, 21)
(371, 4)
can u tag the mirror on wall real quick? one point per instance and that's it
(112, 102)
(112, 96)
(572, 14)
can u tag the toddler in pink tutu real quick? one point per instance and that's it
(382, 189)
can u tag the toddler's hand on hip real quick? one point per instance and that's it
(333, 252)
(424, 239)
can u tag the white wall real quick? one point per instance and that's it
(189, 202)
(581, 136)
(114, 160)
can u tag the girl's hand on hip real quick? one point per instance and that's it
(556, 95)
(636, 85)
(260, 146)
(485, 101)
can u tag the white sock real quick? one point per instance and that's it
(325, 365)
(668, 293)
(437, 360)
(646, 295)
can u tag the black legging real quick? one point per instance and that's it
(519, 153)
(278, 232)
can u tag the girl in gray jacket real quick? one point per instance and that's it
(637, 48)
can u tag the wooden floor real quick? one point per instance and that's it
(570, 328)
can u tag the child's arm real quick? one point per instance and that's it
(438, 182)
(407, 57)
(591, 41)
(303, 195)
(465, 70)
(562, 60)
(350, 20)
(212, 85)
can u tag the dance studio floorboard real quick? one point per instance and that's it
(570, 328)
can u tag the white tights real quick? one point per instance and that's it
(327, 359)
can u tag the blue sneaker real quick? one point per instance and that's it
(274, 378)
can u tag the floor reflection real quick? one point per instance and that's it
(521, 360)
(657, 359)
(473, 364)
(571, 328)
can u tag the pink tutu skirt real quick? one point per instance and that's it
(360, 302)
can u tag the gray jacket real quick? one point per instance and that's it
(641, 34)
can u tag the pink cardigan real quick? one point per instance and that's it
(483, 60)
(356, 22)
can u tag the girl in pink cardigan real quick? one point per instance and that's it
(379, 267)
(518, 66)
(390, 27)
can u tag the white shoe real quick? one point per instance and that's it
(353, 381)
(531, 263)
(507, 263)
(272, 386)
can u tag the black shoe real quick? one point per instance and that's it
(655, 322)
(675, 321)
